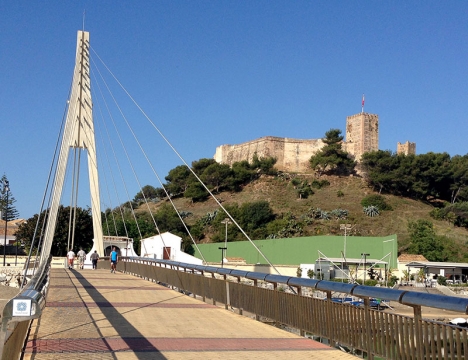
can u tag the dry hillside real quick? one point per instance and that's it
(283, 199)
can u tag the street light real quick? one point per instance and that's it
(345, 227)
(223, 249)
(226, 221)
(365, 256)
(6, 188)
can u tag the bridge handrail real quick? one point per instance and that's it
(23, 308)
(404, 297)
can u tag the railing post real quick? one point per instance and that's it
(214, 301)
(418, 330)
(275, 288)
(330, 322)
(204, 292)
(257, 317)
(369, 342)
(299, 293)
(228, 300)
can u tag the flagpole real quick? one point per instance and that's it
(362, 103)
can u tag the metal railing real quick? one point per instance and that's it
(21, 310)
(363, 330)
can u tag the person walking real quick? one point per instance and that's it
(71, 258)
(114, 258)
(81, 258)
(94, 258)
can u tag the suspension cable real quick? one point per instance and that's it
(118, 164)
(183, 160)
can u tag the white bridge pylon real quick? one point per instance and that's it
(78, 133)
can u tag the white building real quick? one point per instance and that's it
(166, 246)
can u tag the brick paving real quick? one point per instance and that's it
(99, 315)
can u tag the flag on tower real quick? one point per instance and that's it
(362, 103)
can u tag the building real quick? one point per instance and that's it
(12, 227)
(292, 252)
(166, 246)
(408, 148)
(291, 154)
(362, 135)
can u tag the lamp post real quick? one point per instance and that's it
(345, 227)
(6, 188)
(365, 256)
(223, 249)
(226, 221)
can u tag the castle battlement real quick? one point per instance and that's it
(408, 148)
(362, 135)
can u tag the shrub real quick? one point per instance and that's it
(392, 281)
(318, 184)
(377, 201)
(442, 280)
(340, 193)
(296, 181)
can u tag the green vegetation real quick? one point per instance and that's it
(377, 201)
(456, 214)
(425, 177)
(9, 210)
(83, 231)
(331, 159)
(216, 177)
(425, 241)
(371, 210)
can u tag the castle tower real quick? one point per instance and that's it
(362, 134)
(408, 148)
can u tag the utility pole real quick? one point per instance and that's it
(226, 221)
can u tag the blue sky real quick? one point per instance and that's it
(223, 72)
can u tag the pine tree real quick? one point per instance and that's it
(9, 211)
(332, 158)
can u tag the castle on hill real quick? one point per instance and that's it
(362, 135)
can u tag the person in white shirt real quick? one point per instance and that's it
(71, 258)
(81, 258)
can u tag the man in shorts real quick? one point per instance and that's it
(71, 258)
(81, 258)
(114, 257)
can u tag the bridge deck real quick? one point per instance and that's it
(99, 315)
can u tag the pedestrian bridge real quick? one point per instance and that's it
(166, 310)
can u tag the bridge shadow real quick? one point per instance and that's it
(136, 342)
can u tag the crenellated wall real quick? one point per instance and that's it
(291, 154)
(408, 148)
(362, 135)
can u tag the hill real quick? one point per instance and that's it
(283, 199)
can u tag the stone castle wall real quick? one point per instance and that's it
(291, 154)
(408, 148)
(362, 135)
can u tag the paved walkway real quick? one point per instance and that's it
(93, 314)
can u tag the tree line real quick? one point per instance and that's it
(181, 182)
(436, 178)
